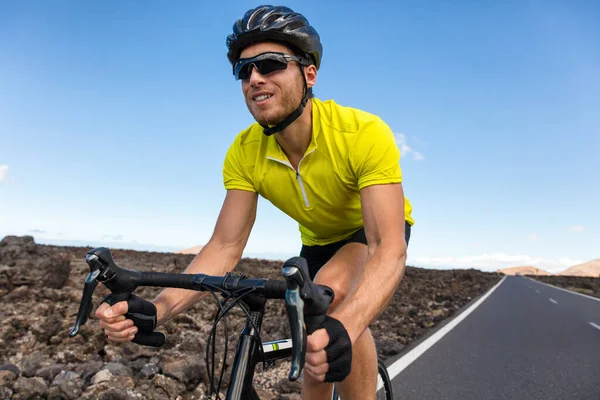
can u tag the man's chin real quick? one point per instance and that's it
(267, 119)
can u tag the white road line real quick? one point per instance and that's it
(415, 353)
(594, 325)
(565, 290)
(554, 301)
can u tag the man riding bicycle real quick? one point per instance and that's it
(333, 169)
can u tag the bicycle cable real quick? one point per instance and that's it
(211, 290)
(225, 305)
(242, 306)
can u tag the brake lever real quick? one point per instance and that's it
(85, 307)
(295, 311)
(306, 304)
(120, 281)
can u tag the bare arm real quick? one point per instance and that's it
(220, 255)
(383, 215)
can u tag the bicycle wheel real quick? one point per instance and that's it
(383, 380)
(386, 391)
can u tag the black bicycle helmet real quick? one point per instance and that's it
(276, 23)
(280, 24)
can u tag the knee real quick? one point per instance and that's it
(340, 292)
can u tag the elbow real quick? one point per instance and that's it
(400, 260)
(392, 254)
(393, 251)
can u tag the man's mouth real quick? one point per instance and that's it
(261, 97)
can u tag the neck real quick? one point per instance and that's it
(295, 139)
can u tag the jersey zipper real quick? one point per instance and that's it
(298, 177)
(306, 203)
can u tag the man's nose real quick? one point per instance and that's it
(255, 76)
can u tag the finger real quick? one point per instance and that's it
(309, 376)
(317, 370)
(110, 321)
(120, 339)
(101, 309)
(118, 309)
(121, 335)
(317, 341)
(315, 358)
(117, 326)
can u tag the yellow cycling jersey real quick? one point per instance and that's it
(350, 149)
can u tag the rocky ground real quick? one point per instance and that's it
(585, 285)
(40, 291)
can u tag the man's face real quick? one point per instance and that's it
(285, 87)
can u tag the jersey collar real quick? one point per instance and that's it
(274, 151)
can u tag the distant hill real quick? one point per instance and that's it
(191, 250)
(590, 268)
(525, 270)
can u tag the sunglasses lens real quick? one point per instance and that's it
(270, 65)
(265, 66)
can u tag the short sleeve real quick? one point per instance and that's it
(375, 156)
(235, 175)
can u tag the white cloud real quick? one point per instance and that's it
(3, 173)
(533, 237)
(495, 261)
(405, 149)
(118, 237)
(577, 228)
(567, 262)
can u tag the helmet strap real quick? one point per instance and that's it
(270, 130)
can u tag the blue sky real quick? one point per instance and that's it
(115, 117)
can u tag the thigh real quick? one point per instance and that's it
(317, 256)
(340, 264)
(346, 266)
(343, 270)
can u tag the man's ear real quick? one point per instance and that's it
(310, 73)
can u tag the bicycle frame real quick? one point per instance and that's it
(296, 289)
(247, 354)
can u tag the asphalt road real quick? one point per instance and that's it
(526, 341)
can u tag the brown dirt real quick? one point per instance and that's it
(40, 290)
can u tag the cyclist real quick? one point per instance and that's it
(333, 169)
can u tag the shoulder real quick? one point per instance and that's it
(249, 135)
(246, 141)
(347, 119)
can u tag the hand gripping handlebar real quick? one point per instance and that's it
(305, 300)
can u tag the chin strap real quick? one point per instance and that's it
(270, 130)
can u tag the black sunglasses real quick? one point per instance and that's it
(265, 63)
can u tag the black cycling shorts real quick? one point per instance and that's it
(317, 256)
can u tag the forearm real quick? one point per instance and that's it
(373, 290)
(213, 259)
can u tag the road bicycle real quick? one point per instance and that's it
(306, 304)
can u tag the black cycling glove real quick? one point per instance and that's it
(142, 312)
(339, 350)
